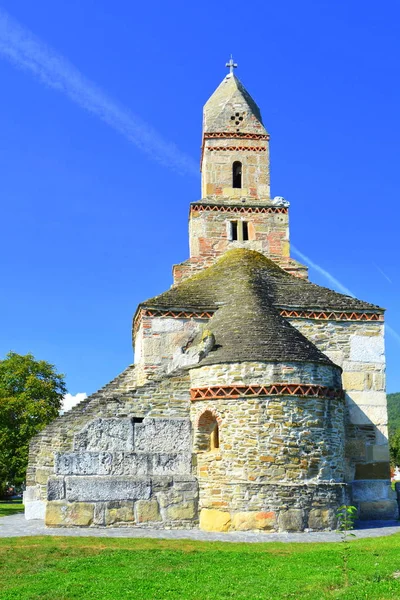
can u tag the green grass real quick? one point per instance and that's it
(93, 568)
(10, 508)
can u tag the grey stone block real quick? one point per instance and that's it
(35, 509)
(124, 463)
(383, 509)
(108, 488)
(171, 464)
(163, 435)
(114, 435)
(372, 490)
(31, 494)
(291, 520)
(76, 463)
(55, 488)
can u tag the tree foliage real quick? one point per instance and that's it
(393, 405)
(31, 393)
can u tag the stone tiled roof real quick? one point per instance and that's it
(248, 328)
(229, 94)
(212, 287)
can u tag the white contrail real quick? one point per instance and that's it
(339, 285)
(21, 47)
(382, 273)
(326, 274)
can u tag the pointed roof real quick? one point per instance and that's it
(248, 328)
(208, 289)
(229, 98)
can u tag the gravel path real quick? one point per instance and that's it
(17, 526)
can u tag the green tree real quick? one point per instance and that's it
(31, 393)
(394, 445)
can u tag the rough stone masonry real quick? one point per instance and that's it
(257, 399)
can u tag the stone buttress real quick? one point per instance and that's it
(257, 398)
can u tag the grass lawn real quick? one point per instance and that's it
(64, 568)
(10, 508)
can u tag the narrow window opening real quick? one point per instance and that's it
(245, 231)
(237, 174)
(207, 433)
(138, 419)
(234, 230)
(214, 438)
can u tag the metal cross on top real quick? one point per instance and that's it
(231, 65)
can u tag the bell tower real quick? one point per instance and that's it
(236, 209)
(235, 144)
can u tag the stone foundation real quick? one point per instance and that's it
(275, 508)
(122, 502)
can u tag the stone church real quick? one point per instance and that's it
(257, 398)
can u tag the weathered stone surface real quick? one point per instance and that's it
(34, 509)
(353, 380)
(183, 511)
(383, 509)
(171, 464)
(378, 453)
(367, 349)
(100, 489)
(147, 511)
(42, 475)
(246, 521)
(214, 520)
(291, 520)
(114, 435)
(366, 490)
(31, 493)
(61, 513)
(320, 519)
(163, 435)
(375, 470)
(119, 512)
(55, 488)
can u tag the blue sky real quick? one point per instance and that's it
(92, 221)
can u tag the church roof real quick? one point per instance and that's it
(248, 328)
(229, 98)
(209, 288)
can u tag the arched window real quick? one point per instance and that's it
(237, 174)
(207, 434)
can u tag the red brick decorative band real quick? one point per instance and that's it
(237, 136)
(289, 314)
(276, 389)
(331, 315)
(176, 314)
(238, 148)
(238, 209)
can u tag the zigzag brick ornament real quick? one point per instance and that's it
(256, 399)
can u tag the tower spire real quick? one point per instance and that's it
(231, 65)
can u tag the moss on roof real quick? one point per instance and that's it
(248, 328)
(210, 288)
(246, 290)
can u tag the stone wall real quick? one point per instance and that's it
(124, 472)
(158, 340)
(358, 347)
(276, 454)
(209, 231)
(166, 398)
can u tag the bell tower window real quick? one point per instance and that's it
(237, 174)
(245, 231)
(234, 230)
(238, 231)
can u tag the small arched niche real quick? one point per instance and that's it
(237, 174)
(207, 433)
